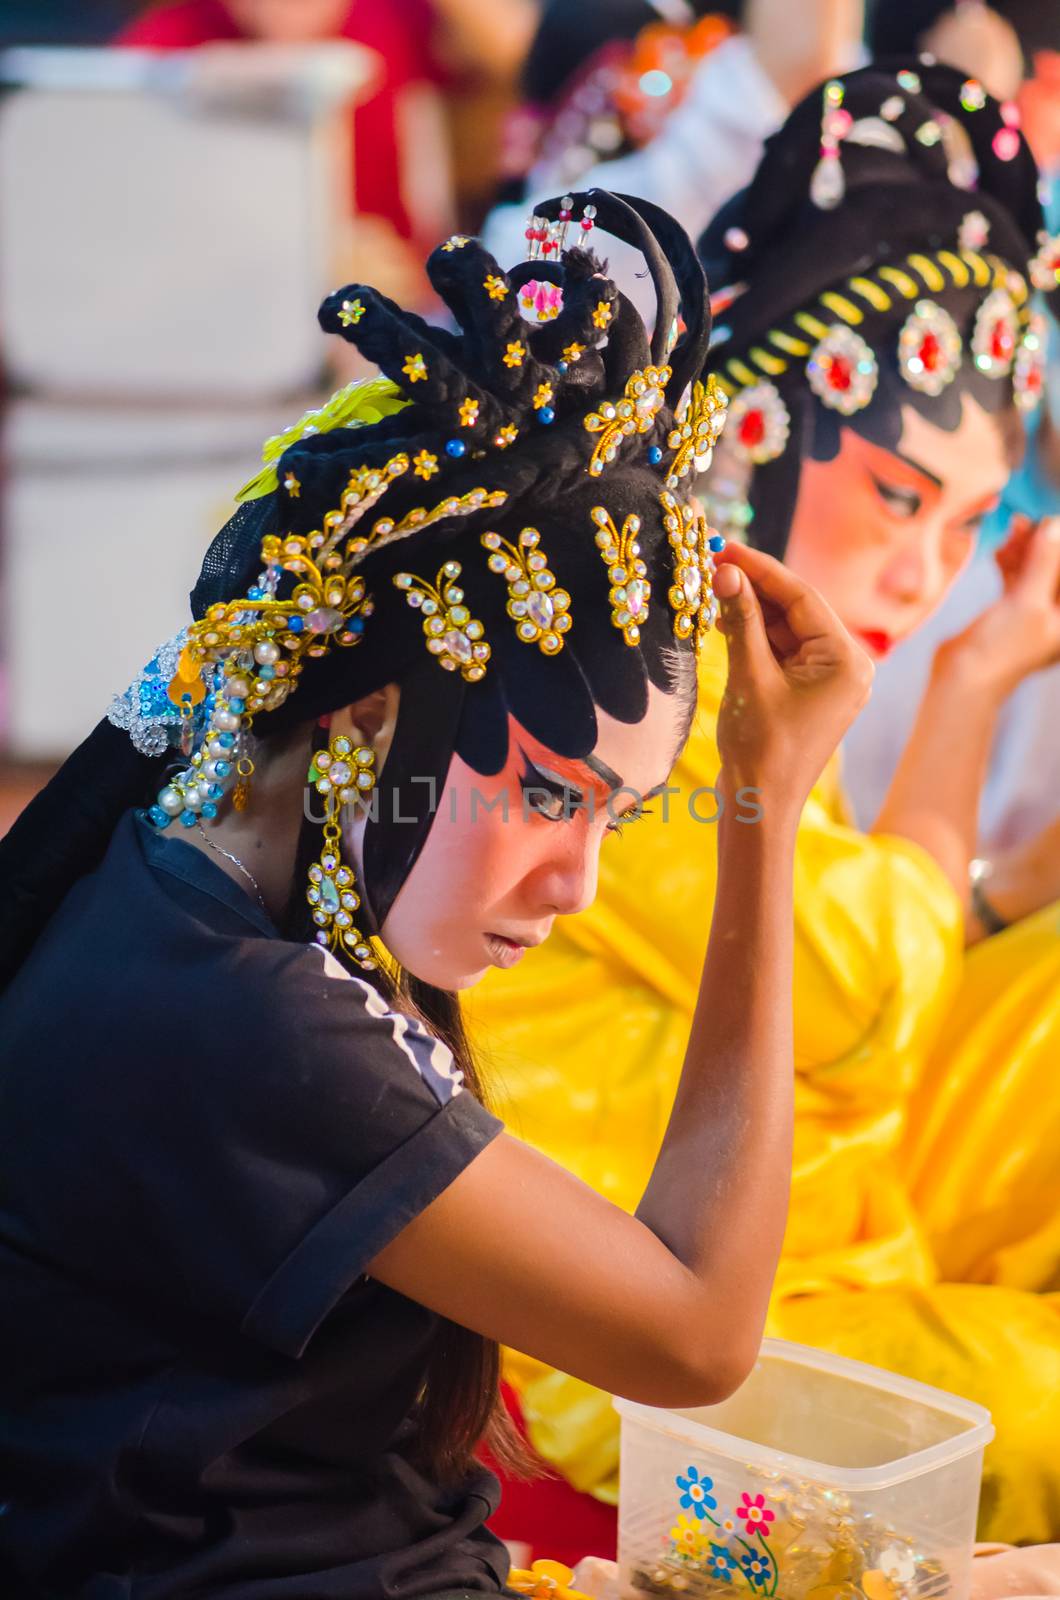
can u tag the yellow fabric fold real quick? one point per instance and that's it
(920, 1070)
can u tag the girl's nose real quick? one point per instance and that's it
(564, 882)
(915, 573)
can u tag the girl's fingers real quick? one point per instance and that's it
(1040, 569)
(741, 621)
(803, 609)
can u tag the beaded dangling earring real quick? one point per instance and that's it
(338, 773)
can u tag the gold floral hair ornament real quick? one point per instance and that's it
(453, 634)
(697, 429)
(644, 398)
(358, 404)
(245, 655)
(539, 609)
(694, 545)
(630, 591)
(338, 773)
(386, 531)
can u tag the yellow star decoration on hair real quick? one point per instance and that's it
(351, 313)
(457, 242)
(468, 413)
(515, 354)
(415, 368)
(495, 287)
(506, 436)
(425, 465)
(602, 315)
(573, 352)
(542, 396)
(292, 485)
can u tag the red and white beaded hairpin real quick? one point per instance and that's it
(929, 348)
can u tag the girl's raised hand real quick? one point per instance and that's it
(797, 679)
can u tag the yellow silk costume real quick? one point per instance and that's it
(924, 1232)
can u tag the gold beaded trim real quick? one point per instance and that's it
(697, 429)
(644, 398)
(691, 595)
(539, 609)
(453, 635)
(630, 591)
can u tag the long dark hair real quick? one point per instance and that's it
(460, 1404)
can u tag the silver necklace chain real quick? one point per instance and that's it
(221, 851)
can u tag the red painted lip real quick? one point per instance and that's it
(879, 643)
(504, 952)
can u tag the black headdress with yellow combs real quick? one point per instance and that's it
(508, 531)
(884, 255)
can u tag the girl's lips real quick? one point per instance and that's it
(503, 952)
(879, 643)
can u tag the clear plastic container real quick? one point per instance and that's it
(819, 1479)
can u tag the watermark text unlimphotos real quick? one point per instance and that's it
(705, 804)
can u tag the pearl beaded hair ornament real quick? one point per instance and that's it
(452, 544)
(880, 258)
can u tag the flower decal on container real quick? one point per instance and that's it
(755, 1514)
(715, 1546)
(721, 1563)
(690, 1541)
(697, 1496)
(756, 1569)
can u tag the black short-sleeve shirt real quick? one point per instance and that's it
(207, 1132)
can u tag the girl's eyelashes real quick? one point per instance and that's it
(617, 824)
(547, 796)
(974, 523)
(900, 501)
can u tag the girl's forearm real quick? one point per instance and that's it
(718, 1194)
(934, 796)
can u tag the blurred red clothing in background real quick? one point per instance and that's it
(398, 30)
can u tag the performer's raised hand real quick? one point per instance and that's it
(797, 679)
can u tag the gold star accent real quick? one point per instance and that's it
(425, 465)
(506, 436)
(516, 354)
(602, 315)
(351, 313)
(495, 287)
(469, 413)
(573, 352)
(415, 368)
(542, 396)
(457, 242)
(292, 485)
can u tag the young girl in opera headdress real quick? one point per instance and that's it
(259, 1232)
(873, 332)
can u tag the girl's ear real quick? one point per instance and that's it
(371, 720)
